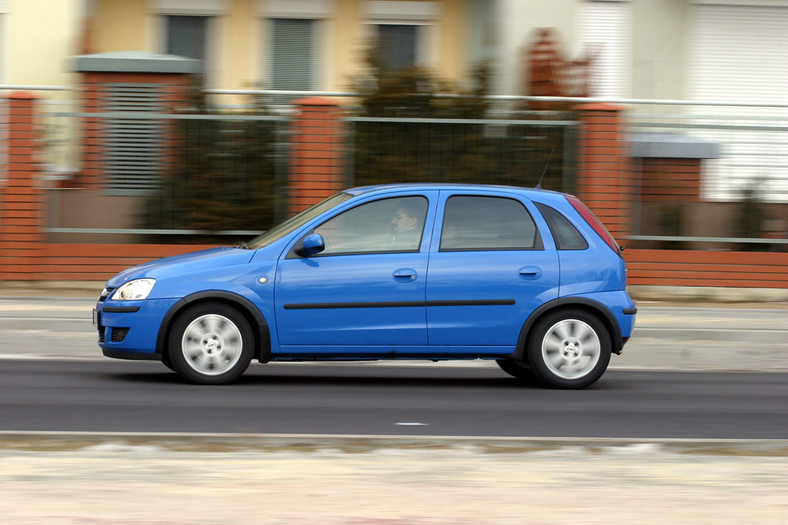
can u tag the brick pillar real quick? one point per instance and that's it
(22, 197)
(317, 169)
(604, 167)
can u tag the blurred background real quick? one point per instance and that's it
(134, 129)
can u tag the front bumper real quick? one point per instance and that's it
(130, 329)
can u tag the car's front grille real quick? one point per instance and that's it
(106, 292)
(101, 334)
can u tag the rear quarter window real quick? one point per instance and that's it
(566, 236)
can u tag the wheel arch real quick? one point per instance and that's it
(564, 303)
(262, 335)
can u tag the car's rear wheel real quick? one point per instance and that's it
(211, 344)
(569, 349)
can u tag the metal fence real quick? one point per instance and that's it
(197, 178)
(491, 151)
(705, 175)
(730, 192)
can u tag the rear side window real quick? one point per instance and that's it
(487, 223)
(564, 232)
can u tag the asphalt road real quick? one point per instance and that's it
(368, 399)
(278, 449)
(687, 373)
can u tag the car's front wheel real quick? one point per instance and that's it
(211, 344)
(569, 349)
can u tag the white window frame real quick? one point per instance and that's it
(318, 10)
(423, 15)
(213, 10)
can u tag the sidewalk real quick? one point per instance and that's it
(120, 480)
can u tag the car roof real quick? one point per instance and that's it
(361, 190)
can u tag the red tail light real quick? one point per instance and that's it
(592, 221)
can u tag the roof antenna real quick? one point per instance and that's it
(539, 184)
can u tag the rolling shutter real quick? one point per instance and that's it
(739, 53)
(293, 54)
(133, 147)
(605, 35)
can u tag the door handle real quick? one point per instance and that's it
(405, 274)
(530, 272)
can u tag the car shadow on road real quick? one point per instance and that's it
(364, 377)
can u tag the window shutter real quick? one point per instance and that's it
(292, 54)
(133, 147)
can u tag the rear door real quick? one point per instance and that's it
(488, 271)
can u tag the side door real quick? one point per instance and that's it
(488, 272)
(365, 292)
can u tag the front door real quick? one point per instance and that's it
(365, 292)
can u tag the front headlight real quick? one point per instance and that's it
(135, 290)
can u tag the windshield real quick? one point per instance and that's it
(295, 222)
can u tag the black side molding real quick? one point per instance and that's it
(399, 304)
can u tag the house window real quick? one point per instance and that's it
(296, 44)
(293, 53)
(604, 30)
(189, 28)
(187, 36)
(404, 31)
(397, 45)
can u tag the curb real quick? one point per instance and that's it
(215, 442)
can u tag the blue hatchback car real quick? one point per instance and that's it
(528, 278)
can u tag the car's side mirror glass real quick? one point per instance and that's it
(311, 244)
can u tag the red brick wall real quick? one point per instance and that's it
(707, 268)
(675, 180)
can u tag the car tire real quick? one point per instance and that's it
(210, 344)
(569, 349)
(519, 369)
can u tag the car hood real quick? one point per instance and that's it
(183, 264)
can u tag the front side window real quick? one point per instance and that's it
(487, 223)
(388, 225)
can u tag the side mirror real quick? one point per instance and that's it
(311, 245)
